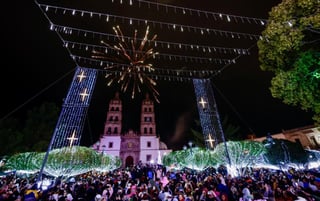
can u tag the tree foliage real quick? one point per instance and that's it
(27, 162)
(196, 158)
(63, 162)
(276, 152)
(290, 48)
(39, 127)
(33, 134)
(11, 136)
(241, 153)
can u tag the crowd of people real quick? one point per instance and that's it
(156, 183)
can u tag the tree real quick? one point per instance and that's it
(27, 162)
(299, 86)
(290, 48)
(196, 158)
(39, 127)
(242, 154)
(283, 152)
(33, 134)
(10, 136)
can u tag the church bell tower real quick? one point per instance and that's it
(147, 123)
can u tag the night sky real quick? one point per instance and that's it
(36, 68)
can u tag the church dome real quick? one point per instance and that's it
(162, 145)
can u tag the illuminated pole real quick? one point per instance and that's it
(73, 113)
(209, 116)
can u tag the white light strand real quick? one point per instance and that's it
(170, 26)
(162, 44)
(199, 13)
(161, 72)
(163, 56)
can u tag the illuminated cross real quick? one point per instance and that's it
(202, 102)
(210, 140)
(72, 138)
(81, 76)
(84, 94)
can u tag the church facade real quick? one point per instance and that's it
(132, 147)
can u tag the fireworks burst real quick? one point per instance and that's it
(131, 62)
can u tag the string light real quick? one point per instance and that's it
(65, 29)
(67, 123)
(159, 73)
(196, 12)
(208, 112)
(165, 24)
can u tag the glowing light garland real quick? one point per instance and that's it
(196, 12)
(136, 60)
(137, 21)
(160, 7)
(158, 43)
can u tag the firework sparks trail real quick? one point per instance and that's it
(132, 62)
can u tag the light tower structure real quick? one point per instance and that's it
(209, 116)
(68, 130)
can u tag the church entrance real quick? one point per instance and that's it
(129, 161)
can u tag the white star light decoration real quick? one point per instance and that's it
(84, 94)
(210, 140)
(72, 138)
(203, 103)
(81, 76)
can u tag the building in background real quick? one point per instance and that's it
(308, 137)
(132, 147)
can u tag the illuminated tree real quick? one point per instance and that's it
(27, 162)
(284, 152)
(196, 159)
(108, 163)
(290, 48)
(242, 154)
(70, 161)
(64, 162)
